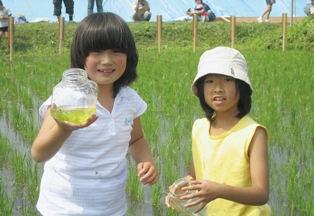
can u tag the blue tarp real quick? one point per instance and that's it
(170, 10)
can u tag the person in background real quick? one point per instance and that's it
(267, 11)
(204, 14)
(4, 16)
(229, 166)
(85, 169)
(203, 11)
(90, 7)
(69, 8)
(142, 11)
(20, 18)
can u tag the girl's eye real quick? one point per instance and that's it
(228, 79)
(208, 81)
(116, 50)
(94, 54)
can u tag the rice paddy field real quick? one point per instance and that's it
(282, 101)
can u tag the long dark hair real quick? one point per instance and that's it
(102, 31)
(242, 88)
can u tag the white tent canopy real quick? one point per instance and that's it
(170, 10)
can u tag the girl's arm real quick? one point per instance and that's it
(140, 151)
(192, 170)
(257, 194)
(52, 135)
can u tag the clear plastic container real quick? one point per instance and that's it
(177, 192)
(74, 98)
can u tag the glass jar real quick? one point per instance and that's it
(176, 193)
(74, 97)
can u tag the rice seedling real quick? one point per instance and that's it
(6, 204)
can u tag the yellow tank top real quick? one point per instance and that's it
(224, 159)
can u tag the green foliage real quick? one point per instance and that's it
(42, 38)
(301, 36)
(6, 204)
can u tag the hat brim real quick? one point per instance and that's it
(232, 72)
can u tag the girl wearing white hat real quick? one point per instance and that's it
(229, 165)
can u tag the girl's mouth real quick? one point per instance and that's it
(218, 99)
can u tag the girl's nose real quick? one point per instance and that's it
(106, 58)
(218, 88)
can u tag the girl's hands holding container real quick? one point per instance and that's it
(70, 126)
(171, 189)
(182, 197)
(205, 191)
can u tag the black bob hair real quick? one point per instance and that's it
(242, 88)
(102, 31)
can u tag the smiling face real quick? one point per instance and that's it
(221, 94)
(105, 67)
(104, 46)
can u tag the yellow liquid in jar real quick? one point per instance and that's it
(75, 115)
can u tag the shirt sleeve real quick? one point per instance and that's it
(140, 105)
(43, 108)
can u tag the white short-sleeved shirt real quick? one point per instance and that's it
(88, 174)
(4, 12)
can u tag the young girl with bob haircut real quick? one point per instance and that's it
(229, 167)
(85, 168)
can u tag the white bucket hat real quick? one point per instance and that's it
(225, 61)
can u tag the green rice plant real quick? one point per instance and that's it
(157, 192)
(134, 187)
(6, 204)
(24, 181)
